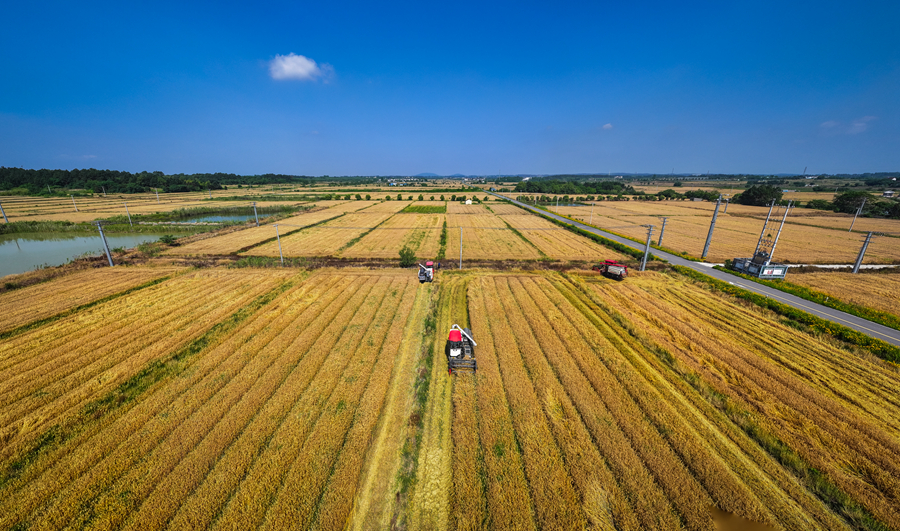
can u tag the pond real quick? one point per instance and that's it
(24, 252)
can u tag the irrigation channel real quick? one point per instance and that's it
(859, 324)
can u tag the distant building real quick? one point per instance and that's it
(889, 193)
(468, 201)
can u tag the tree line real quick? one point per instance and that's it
(44, 181)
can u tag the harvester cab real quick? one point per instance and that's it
(460, 350)
(426, 272)
(612, 269)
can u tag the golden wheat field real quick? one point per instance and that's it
(601, 405)
(258, 411)
(419, 232)
(880, 291)
(26, 305)
(805, 238)
(286, 399)
(486, 237)
(327, 239)
(233, 242)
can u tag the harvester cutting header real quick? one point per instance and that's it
(460, 350)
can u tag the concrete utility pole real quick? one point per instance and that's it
(726, 207)
(129, 215)
(73, 202)
(4, 213)
(157, 195)
(557, 204)
(105, 244)
(862, 253)
(662, 231)
(210, 193)
(712, 227)
(104, 191)
(858, 210)
(647, 247)
(48, 189)
(279, 245)
(460, 247)
(592, 214)
(255, 214)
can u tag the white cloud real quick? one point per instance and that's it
(293, 66)
(860, 125)
(607, 127)
(829, 124)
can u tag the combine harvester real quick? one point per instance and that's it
(460, 350)
(612, 269)
(426, 272)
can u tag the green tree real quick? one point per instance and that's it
(358, 197)
(368, 197)
(849, 202)
(442, 198)
(452, 197)
(421, 197)
(407, 256)
(757, 195)
(399, 197)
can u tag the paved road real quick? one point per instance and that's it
(851, 321)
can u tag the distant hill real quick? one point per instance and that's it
(426, 175)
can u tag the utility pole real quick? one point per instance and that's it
(105, 245)
(279, 245)
(104, 191)
(778, 235)
(4, 213)
(862, 253)
(592, 214)
(712, 227)
(647, 247)
(210, 193)
(858, 210)
(460, 247)
(726, 207)
(662, 231)
(129, 215)
(73, 202)
(48, 189)
(763, 233)
(255, 214)
(157, 195)
(557, 204)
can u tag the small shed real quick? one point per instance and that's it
(888, 193)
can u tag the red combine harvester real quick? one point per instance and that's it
(426, 272)
(612, 269)
(460, 350)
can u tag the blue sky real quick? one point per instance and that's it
(475, 88)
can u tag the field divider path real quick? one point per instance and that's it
(556, 502)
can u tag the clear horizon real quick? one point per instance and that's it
(474, 89)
